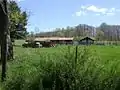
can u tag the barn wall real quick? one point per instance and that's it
(83, 42)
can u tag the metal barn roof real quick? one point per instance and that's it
(52, 38)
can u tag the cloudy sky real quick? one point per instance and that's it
(49, 14)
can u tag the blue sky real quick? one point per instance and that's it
(49, 14)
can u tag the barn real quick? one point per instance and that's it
(52, 41)
(86, 41)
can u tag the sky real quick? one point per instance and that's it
(46, 15)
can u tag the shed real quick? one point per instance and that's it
(86, 41)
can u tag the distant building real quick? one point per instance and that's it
(86, 41)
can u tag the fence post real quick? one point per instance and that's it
(76, 57)
(76, 51)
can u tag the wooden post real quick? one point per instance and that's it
(4, 47)
(76, 53)
(76, 57)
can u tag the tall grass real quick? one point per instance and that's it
(65, 69)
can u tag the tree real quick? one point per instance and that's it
(99, 35)
(3, 36)
(17, 21)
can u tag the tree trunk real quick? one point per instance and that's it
(3, 36)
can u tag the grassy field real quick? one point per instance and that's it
(104, 52)
(19, 42)
(96, 68)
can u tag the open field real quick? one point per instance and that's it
(19, 42)
(104, 52)
(96, 68)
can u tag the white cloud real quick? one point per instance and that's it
(97, 10)
(83, 7)
(112, 10)
(80, 13)
(110, 14)
(98, 14)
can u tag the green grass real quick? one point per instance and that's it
(19, 42)
(107, 52)
(97, 68)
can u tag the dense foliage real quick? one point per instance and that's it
(18, 21)
(96, 68)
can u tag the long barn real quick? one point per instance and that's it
(51, 41)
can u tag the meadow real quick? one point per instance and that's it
(61, 68)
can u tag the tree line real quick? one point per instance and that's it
(103, 32)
